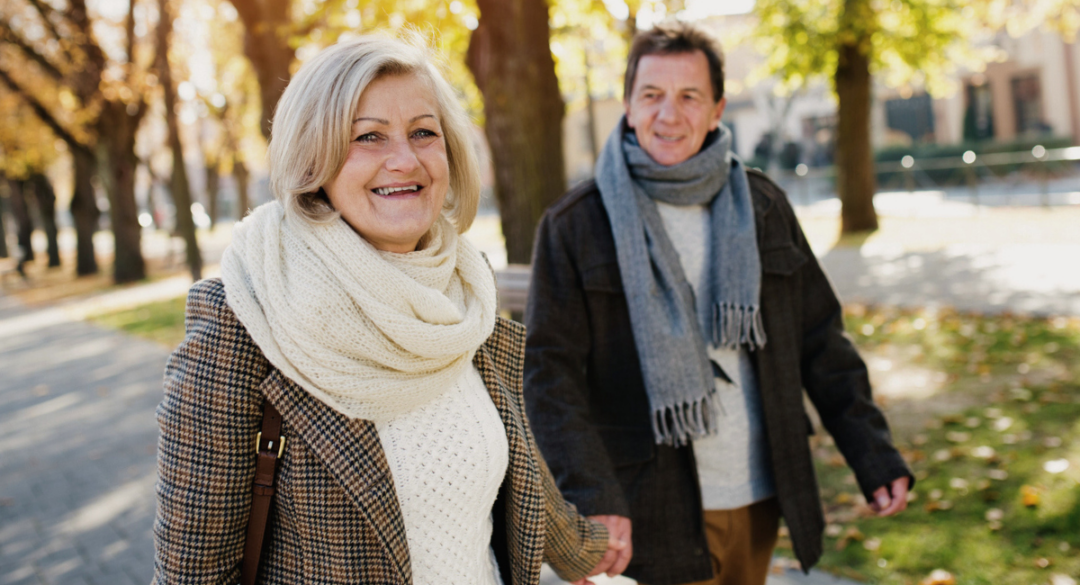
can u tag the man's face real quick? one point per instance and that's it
(671, 107)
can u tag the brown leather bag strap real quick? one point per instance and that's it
(269, 445)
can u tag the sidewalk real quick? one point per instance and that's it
(77, 453)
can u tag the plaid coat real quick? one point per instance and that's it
(335, 516)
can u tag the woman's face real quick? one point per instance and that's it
(394, 181)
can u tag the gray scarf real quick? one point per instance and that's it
(670, 326)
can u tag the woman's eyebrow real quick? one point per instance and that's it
(387, 122)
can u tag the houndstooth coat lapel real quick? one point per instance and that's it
(353, 454)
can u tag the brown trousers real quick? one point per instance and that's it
(741, 543)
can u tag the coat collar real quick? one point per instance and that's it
(353, 454)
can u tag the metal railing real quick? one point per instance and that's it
(1039, 167)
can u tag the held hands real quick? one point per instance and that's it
(890, 499)
(620, 549)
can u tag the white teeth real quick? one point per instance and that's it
(389, 190)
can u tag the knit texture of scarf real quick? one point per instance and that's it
(670, 325)
(371, 334)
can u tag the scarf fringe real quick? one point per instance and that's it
(677, 425)
(734, 325)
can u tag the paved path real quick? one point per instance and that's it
(1027, 278)
(77, 453)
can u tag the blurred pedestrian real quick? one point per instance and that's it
(352, 307)
(676, 314)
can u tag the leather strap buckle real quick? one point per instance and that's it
(281, 444)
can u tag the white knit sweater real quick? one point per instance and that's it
(448, 459)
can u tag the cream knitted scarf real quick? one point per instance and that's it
(371, 334)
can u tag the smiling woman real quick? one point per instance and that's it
(351, 312)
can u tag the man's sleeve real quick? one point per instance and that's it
(556, 387)
(837, 381)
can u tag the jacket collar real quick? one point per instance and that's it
(353, 454)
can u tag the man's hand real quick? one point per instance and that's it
(620, 549)
(889, 500)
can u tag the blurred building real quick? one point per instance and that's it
(1033, 94)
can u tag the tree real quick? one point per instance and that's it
(920, 42)
(178, 184)
(94, 103)
(510, 58)
(906, 43)
(27, 149)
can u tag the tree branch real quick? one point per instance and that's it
(43, 113)
(10, 36)
(46, 12)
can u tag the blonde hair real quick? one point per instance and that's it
(312, 125)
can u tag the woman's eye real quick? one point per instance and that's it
(368, 138)
(424, 133)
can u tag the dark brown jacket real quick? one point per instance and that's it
(335, 518)
(586, 397)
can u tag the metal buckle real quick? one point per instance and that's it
(281, 445)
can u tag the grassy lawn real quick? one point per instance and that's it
(997, 462)
(998, 493)
(162, 322)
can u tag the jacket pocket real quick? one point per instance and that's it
(627, 445)
(602, 278)
(783, 260)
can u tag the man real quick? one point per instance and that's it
(676, 314)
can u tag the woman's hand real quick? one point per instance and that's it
(620, 548)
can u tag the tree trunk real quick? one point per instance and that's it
(213, 182)
(181, 191)
(24, 225)
(3, 226)
(84, 211)
(117, 138)
(266, 45)
(855, 181)
(46, 202)
(243, 202)
(510, 58)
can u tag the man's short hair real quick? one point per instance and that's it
(673, 38)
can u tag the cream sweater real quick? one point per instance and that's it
(448, 458)
(733, 465)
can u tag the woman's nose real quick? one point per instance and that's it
(401, 158)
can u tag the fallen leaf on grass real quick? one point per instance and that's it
(983, 452)
(833, 530)
(1029, 496)
(994, 514)
(958, 436)
(1059, 579)
(938, 506)
(872, 544)
(939, 577)
(851, 534)
(1043, 563)
(1056, 465)
(998, 474)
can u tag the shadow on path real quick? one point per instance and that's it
(78, 444)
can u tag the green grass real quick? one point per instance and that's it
(162, 321)
(991, 504)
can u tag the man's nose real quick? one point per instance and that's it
(668, 110)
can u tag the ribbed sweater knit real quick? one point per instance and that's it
(448, 458)
(733, 465)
